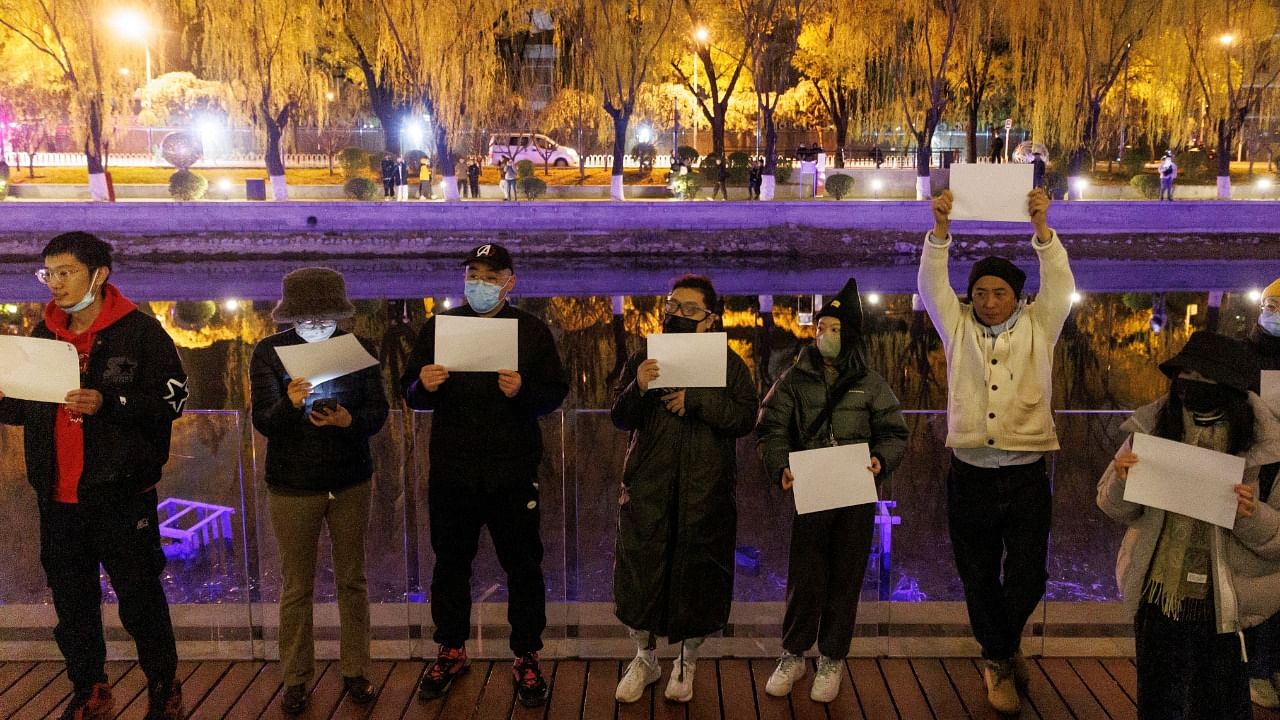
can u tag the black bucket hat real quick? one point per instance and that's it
(1221, 359)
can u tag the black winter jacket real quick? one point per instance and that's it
(673, 561)
(135, 366)
(476, 431)
(300, 456)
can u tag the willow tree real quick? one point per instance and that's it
(76, 38)
(442, 54)
(718, 45)
(836, 50)
(356, 25)
(267, 51)
(982, 40)
(772, 29)
(1232, 57)
(1074, 51)
(920, 63)
(622, 38)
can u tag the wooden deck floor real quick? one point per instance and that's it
(875, 689)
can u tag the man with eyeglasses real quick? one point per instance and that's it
(674, 554)
(94, 462)
(1264, 640)
(485, 450)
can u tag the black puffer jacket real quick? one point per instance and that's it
(126, 443)
(300, 456)
(673, 562)
(868, 413)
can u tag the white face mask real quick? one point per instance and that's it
(315, 331)
(85, 301)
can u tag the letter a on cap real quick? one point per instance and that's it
(484, 250)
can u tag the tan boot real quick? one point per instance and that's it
(1002, 691)
(1021, 670)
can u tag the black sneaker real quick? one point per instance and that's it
(294, 699)
(449, 664)
(359, 689)
(531, 689)
(91, 703)
(164, 701)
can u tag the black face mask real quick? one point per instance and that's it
(1201, 397)
(678, 324)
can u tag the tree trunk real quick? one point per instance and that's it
(93, 151)
(841, 122)
(971, 134)
(1080, 156)
(768, 180)
(717, 129)
(924, 154)
(621, 118)
(274, 160)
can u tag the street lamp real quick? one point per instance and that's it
(132, 25)
(701, 36)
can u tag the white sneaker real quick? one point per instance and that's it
(1263, 693)
(680, 686)
(641, 673)
(826, 682)
(790, 669)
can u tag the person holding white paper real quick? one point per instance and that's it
(318, 475)
(1193, 587)
(999, 350)
(829, 397)
(94, 462)
(677, 520)
(485, 450)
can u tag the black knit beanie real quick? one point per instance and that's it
(1001, 268)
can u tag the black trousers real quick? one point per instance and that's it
(999, 521)
(388, 187)
(828, 559)
(1188, 670)
(458, 510)
(124, 538)
(1264, 648)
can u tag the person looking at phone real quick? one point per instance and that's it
(319, 472)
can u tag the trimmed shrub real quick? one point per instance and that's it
(353, 161)
(361, 188)
(1134, 160)
(687, 154)
(782, 173)
(838, 186)
(739, 159)
(373, 161)
(186, 185)
(1147, 184)
(686, 186)
(1195, 166)
(710, 169)
(645, 154)
(532, 187)
(524, 169)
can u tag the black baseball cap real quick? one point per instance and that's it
(491, 254)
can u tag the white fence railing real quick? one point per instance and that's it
(70, 159)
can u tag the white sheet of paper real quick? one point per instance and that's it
(1271, 384)
(688, 360)
(38, 369)
(991, 191)
(320, 362)
(832, 477)
(472, 344)
(1184, 479)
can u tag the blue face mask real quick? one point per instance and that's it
(85, 301)
(1270, 321)
(483, 296)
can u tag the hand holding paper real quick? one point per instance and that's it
(689, 359)
(470, 344)
(320, 362)
(38, 369)
(832, 477)
(993, 192)
(1185, 479)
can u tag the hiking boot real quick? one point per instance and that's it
(448, 665)
(790, 669)
(531, 688)
(1263, 693)
(294, 699)
(164, 701)
(1002, 691)
(641, 673)
(359, 689)
(1021, 670)
(91, 703)
(826, 683)
(680, 686)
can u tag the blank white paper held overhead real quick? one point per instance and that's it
(991, 191)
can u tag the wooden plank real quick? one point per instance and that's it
(602, 682)
(664, 709)
(966, 676)
(261, 693)
(377, 674)
(226, 691)
(59, 691)
(706, 692)
(1073, 692)
(738, 697)
(11, 671)
(136, 709)
(399, 696)
(942, 698)
(641, 709)
(498, 695)
(802, 706)
(463, 694)
(873, 693)
(1125, 673)
(322, 697)
(771, 708)
(28, 686)
(907, 695)
(1104, 687)
(567, 689)
(845, 706)
(1042, 693)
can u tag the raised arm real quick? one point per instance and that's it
(1057, 284)
(933, 281)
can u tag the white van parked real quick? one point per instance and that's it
(534, 147)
